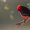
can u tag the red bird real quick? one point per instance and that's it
(25, 13)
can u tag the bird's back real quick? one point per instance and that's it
(25, 11)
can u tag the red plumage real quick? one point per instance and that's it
(19, 8)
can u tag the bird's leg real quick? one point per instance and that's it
(23, 22)
(26, 21)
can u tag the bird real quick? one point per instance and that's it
(25, 13)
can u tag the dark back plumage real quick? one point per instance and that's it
(25, 11)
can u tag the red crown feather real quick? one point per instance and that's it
(19, 7)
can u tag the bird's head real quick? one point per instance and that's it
(19, 7)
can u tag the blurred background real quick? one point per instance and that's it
(9, 16)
